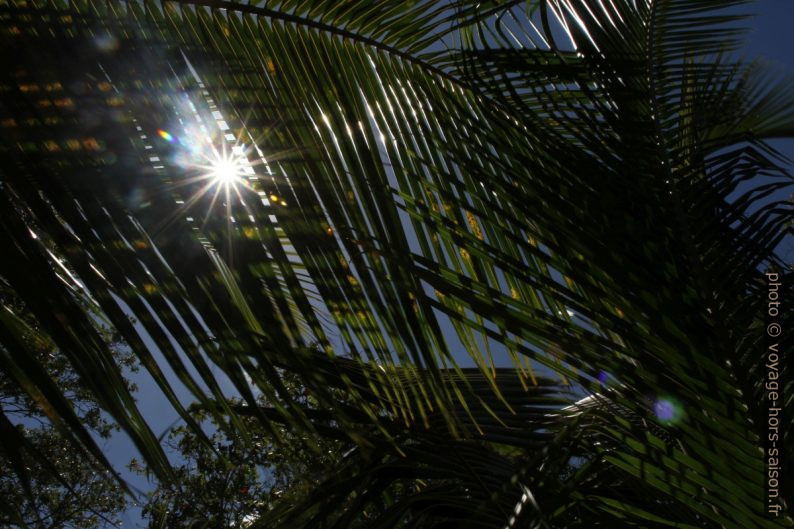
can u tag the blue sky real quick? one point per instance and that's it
(771, 36)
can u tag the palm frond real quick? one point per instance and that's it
(418, 183)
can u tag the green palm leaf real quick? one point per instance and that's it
(423, 183)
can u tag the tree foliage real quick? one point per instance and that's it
(233, 481)
(61, 487)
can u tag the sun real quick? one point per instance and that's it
(226, 169)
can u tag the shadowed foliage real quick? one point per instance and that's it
(48, 483)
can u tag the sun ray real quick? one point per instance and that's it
(212, 204)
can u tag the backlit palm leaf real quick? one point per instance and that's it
(549, 184)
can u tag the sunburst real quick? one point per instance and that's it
(223, 169)
(226, 169)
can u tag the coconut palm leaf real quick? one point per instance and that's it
(551, 184)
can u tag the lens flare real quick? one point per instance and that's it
(165, 135)
(106, 42)
(668, 410)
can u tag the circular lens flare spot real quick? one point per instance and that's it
(668, 410)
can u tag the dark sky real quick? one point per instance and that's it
(772, 37)
(772, 33)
